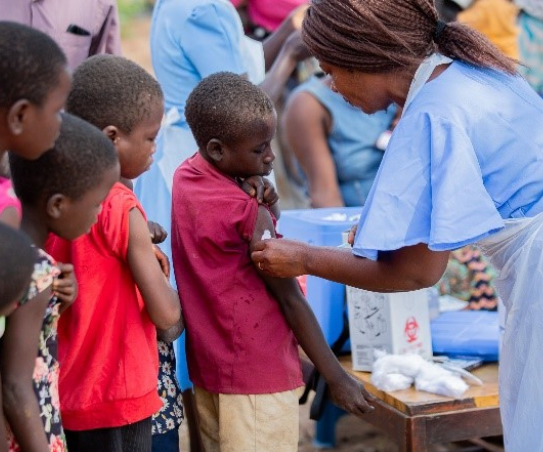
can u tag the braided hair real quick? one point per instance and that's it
(376, 36)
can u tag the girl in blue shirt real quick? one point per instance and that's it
(464, 165)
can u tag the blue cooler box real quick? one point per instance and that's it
(322, 227)
(466, 334)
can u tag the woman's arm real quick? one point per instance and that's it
(409, 268)
(290, 54)
(18, 359)
(161, 300)
(306, 124)
(272, 45)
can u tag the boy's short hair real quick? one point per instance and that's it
(224, 106)
(111, 90)
(82, 153)
(17, 258)
(30, 64)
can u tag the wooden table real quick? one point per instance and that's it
(416, 419)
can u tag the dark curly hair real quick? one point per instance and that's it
(30, 64)
(112, 91)
(377, 36)
(82, 153)
(225, 106)
(17, 257)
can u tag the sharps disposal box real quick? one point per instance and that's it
(396, 323)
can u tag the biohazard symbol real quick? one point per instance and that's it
(411, 329)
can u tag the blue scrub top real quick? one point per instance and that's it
(467, 153)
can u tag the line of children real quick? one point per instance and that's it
(36, 95)
(80, 192)
(108, 345)
(242, 326)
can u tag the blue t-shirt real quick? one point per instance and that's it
(351, 141)
(467, 153)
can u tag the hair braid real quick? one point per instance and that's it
(382, 35)
(464, 43)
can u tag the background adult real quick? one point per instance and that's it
(82, 28)
(464, 165)
(335, 143)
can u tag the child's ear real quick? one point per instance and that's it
(215, 150)
(55, 205)
(16, 116)
(112, 133)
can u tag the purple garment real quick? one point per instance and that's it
(99, 18)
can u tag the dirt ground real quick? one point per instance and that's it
(352, 434)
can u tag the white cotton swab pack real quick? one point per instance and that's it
(396, 372)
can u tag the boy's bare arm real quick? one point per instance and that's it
(346, 392)
(161, 301)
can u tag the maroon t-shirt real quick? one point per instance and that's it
(238, 341)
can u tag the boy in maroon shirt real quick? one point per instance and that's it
(243, 327)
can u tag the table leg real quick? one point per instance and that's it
(415, 438)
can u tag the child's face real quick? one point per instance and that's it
(136, 149)
(252, 155)
(36, 128)
(72, 219)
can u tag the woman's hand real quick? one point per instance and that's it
(295, 47)
(280, 258)
(65, 286)
(352, 234)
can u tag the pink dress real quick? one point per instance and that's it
(7, 197)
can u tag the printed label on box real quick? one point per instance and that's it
(396, 323)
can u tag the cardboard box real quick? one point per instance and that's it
(397, 323)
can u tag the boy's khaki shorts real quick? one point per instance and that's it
(248, 423)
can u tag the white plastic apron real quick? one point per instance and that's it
(177, 144)
(517, 252)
